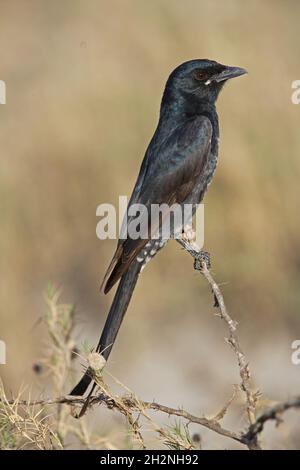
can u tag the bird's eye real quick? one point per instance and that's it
(200, 75)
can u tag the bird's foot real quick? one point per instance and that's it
(188, 234)
(202, 259)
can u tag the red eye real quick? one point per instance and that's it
(199, 75)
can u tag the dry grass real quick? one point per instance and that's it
(51, 423)
(54, 423)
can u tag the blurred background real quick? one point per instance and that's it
(84, 82)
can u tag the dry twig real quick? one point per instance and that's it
(200, 264)
(125, 403)
(60, 321)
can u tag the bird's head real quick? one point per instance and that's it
(201, 79)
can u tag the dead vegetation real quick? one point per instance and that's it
(52, 424)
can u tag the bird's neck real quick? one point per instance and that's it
(173, 112)
(177, 106)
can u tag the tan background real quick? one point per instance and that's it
(84, 82)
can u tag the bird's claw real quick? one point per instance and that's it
(202, 259)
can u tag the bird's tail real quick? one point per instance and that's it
(113, 321)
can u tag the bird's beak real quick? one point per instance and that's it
(228, 73)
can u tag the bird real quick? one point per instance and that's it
(177, 168)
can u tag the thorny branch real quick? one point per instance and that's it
(128, 403)
(268, 415)
(131, 403)
(200, 264)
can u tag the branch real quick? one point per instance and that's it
(270, 414)
(201, 264)
(131, 403)
(128, 403)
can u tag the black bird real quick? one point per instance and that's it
(178, 166)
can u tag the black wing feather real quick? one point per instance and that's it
(168, 177)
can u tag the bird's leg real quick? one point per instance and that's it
(187, 239)
(188, 234)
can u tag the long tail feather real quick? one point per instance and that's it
(113, 321)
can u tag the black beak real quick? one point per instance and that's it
(228, 73)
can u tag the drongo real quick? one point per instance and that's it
(177, 168)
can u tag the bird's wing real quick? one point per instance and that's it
(168, 178)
